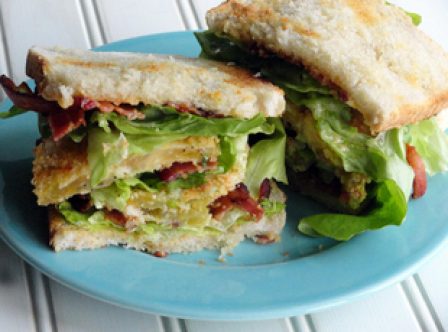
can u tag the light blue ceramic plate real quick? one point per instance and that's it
(296, 276)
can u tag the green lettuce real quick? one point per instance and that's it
(92, 220)
(380, 158)
(193, 180)
(115, 138)
(267, 158)
(271, 208)
(107, 149)
(13, 111)
(387, 206)
(116, 195)
(160, 121)
(431, 144)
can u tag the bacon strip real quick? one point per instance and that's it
(177, 170)
(184, 108)
(265, 190)
(240, 198)
(417, 164)
(23, 97)
(126, 110)
(62, 121)
(116, 217)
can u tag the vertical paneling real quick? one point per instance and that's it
(201, 7)
(188, 14)
(434, 279)
(277, 325)
(125, 19)
(90, 20)
(43, 22)
(76, 312)
(387, 310)
(4, 64)
(15, 307)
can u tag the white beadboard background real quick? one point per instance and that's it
(29, 301)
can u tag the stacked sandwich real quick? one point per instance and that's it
(361, 83)
(151, 151)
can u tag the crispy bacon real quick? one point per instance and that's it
(23, 97)
(264, 239)
(116, 217)
(126, 110)
(265, 190)
(184, 108)
(160, 254)
(81, 203)
(417, 164)
(62, 121)
(240, 198)
(177, 170)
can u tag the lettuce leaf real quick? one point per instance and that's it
(227, 157)
(160, 120)
(388, 206)
(108, 149)
(116, 195)
(380, 158)
(161, 125)
(267, 158)
(93, 220)
(431, 144)
(191, 181)
(271, 208)
(13, 111)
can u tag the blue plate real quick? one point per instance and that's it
(296, 276)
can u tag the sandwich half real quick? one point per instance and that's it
(362, 85)
(151, 152)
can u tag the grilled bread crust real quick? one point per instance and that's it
(388, 69)
(131, 78)
(65, 236)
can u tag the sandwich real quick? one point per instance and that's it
(151, 151)
(362, 85)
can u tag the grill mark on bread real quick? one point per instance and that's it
(86, 64)
(149, 67)
(364, 11)
(265, 13)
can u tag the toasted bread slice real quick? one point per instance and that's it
(61, 170)
(64, 235)
(131, 78)
(389, 70)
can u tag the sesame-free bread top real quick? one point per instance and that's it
(133, 78)
(390, 71)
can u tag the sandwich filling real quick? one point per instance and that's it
(156, 170)
(331, 155)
